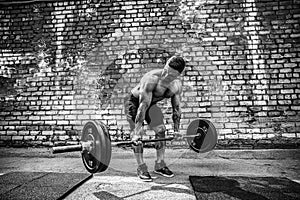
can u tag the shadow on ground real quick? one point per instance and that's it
(245, 188)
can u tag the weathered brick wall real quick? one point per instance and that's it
(64, 63)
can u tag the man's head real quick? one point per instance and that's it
(177, 63)
(173, 68)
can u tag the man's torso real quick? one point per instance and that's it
(160, 91)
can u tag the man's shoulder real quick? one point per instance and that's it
(152, 75)
(154, 72)
(176, 83)
(176, 86)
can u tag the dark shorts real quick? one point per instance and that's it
(153, 117)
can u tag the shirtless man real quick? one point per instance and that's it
(140, 105)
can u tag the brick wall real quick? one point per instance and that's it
(64, 63)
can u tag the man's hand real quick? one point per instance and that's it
(178, 136)
(136, 139)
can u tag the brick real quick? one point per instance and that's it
(41, 137)
(34, 117)
(260, 103)
(231, 125)
(259, 136)
(12, 123)
(17, 137)
(295, 107)
(47, 132)
(50, 122)
(68, 97)
(85, 117)
(59, 132)
(287, 91)
(5, 138)
(58, 107)
(23, 132)
(63, 122)
(83, 107)
(11, 132)
(190, 94)
(231, 136)
(289, 135)
(34, 132)
(27, 138)
(245, 136)
(46, 118)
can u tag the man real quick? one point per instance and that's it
(140, 105)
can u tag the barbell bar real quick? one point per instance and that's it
(95, 145)
(123, 143)
(85, 145)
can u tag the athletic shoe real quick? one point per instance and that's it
(143, 174)
(162, 169)
(166, 172)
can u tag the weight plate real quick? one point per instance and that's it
(97, 158)
(207, 135)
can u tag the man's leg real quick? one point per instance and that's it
(160, 165)
(138, 153)
(160, 132)
(155, 120)
(131, 106)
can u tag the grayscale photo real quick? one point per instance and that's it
(149, 99)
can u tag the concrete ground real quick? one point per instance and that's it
(120, 180)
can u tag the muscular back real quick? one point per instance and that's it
(151, 83)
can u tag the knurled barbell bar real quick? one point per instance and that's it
(95, 145)
(89, 144)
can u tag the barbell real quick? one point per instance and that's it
(96, 145)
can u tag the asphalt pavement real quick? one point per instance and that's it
(119, 181)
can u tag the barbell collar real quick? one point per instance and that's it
(64, 149)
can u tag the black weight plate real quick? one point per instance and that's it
(98, 159)
(207, 138)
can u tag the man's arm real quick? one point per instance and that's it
(145, 98)
(175, 101)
